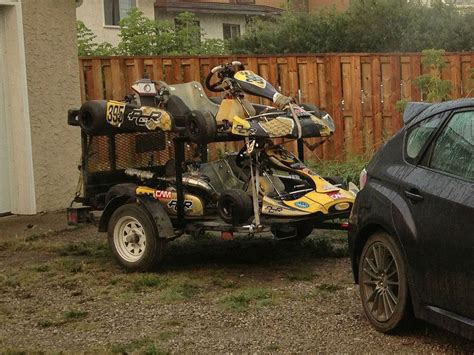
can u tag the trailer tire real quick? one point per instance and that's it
(133, 238)
(92, 118)
(201, 127)
(234, 206)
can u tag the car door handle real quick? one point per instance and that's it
(414, 195)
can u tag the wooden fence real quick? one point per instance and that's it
(358, 90)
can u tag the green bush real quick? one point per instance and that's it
(366, 26)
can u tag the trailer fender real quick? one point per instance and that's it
(162, 221)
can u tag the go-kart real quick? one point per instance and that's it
(153, 190)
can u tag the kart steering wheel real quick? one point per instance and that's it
(223, 71)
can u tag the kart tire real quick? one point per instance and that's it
(146, 250)
(302, 231)
(201, 127)
(337, 180)
(92, 118)
(383, 280)
(234, 206)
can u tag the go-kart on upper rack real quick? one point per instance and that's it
(186, 109)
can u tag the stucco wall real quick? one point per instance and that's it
(91, 12)
(53, 87)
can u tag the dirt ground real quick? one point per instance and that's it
(60, 290)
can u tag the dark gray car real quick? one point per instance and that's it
(411, 230)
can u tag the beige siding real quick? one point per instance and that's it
(53, 88)
(211, 24)
(91, 12)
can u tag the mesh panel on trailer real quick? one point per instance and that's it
(126, 150)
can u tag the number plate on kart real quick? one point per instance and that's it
(115, 110)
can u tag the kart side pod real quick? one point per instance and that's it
(101, 117)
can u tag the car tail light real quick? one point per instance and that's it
(362, 178)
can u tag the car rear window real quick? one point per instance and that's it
(418, 136)
(454, 149)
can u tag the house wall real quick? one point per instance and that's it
(91, 12)
(53, 88)
(211, 24)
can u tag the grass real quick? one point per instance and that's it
(328, 287)
(181, 291)
(242, 300)
(349, 169)
(300, 274)
(145, 281)
(75, 314)
(68, 316)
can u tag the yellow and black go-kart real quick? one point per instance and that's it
(145, 170)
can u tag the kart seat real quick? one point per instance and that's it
(269, 184)
(193, 96)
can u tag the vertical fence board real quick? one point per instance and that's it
(377, 101)
(97, 90)
(356, 106)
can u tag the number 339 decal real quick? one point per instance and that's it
(115, 110)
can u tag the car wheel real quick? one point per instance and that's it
(133, 238)
(200, 127)
(383, 283)
(234, 206)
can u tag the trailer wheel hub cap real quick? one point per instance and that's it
(129, 238)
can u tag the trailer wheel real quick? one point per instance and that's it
(201, 127)
(92, 118)
(234, 206)
(133, 238)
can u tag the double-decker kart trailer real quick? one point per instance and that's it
(138, 168)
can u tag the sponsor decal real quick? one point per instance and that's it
(251, 78)
(173, 204)
(301, 204)
(335, 195)
(160, 194)
(271, 209)
(115, 110)
(145, 117)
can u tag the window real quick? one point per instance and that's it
(115, 10)
(453, 151)
(231, 31)
(419, 135)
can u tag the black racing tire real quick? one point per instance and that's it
(337, 180)
(234, 206)
(120, 190)
(288, 233)
(139, 248)
(92, 118)
(383, 284)
(201, 127)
